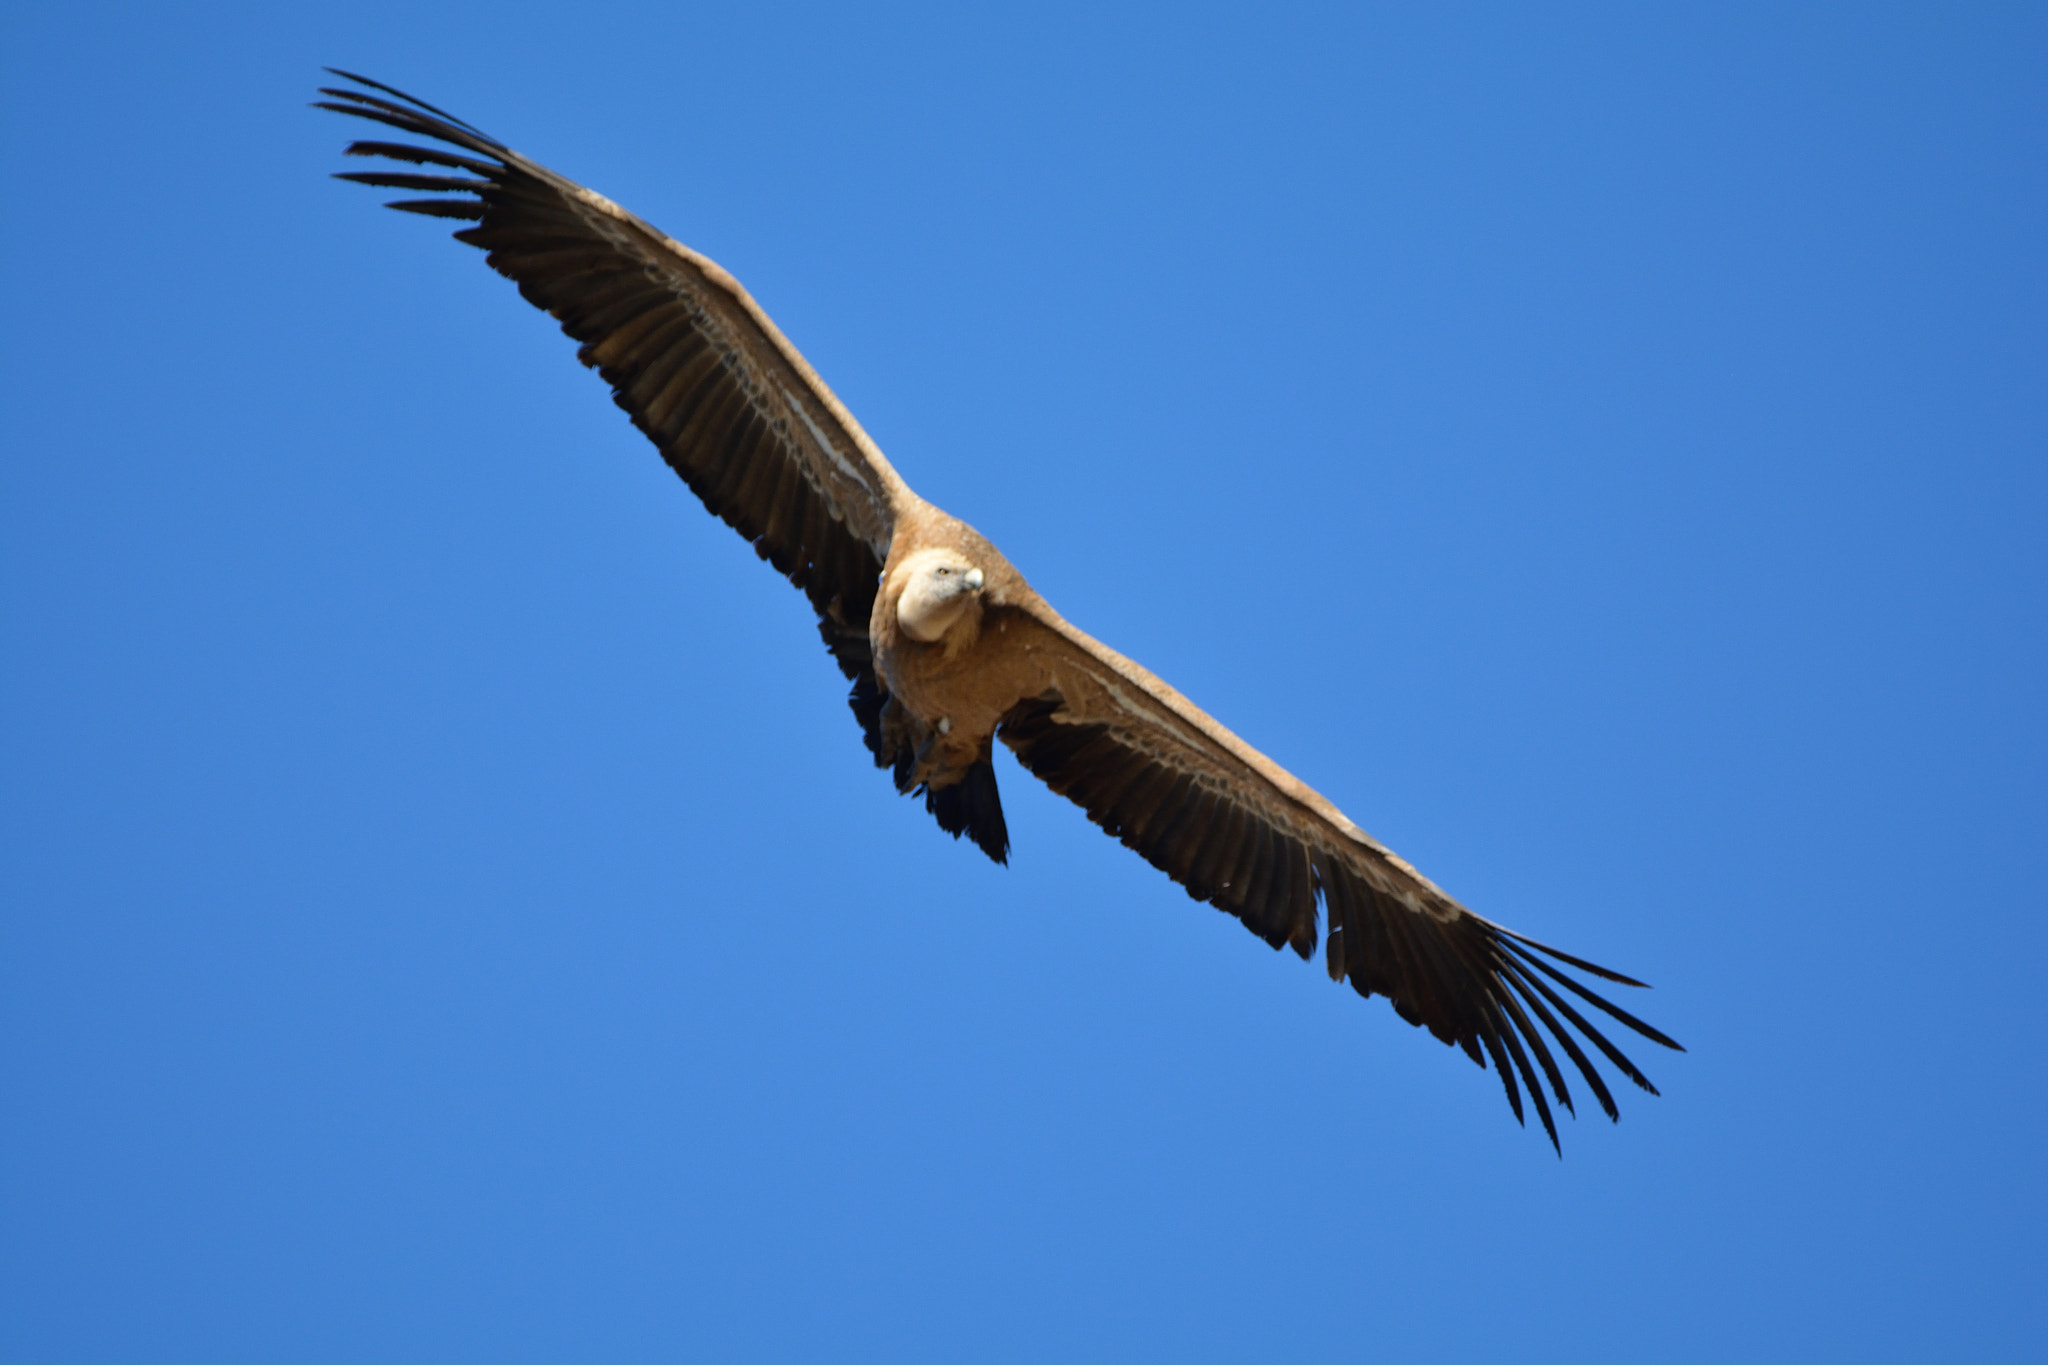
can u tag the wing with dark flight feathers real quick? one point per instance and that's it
(1236, 830)
(732, 406)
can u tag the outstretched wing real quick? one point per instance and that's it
(732, 406)
(1241, 833)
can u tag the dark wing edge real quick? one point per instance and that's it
(1236, 831)
(733, 408)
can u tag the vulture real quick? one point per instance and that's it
(947, 648)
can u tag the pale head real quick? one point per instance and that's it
(938, 587)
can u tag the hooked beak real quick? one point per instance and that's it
(973, 580)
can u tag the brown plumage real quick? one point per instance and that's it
(948, 648)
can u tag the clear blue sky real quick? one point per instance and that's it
(448, 912)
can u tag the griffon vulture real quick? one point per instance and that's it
(947, 647)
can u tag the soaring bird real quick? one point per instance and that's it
(946, 646)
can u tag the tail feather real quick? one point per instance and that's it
(973, 807)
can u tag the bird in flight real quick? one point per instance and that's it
(947, 647)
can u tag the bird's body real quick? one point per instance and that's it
(943, 654)
(949, 650)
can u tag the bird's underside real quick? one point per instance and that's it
(947, 647)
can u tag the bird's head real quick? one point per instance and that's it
(938, 588)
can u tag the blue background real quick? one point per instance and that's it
(449, 913)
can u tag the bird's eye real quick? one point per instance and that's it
(943, 572)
